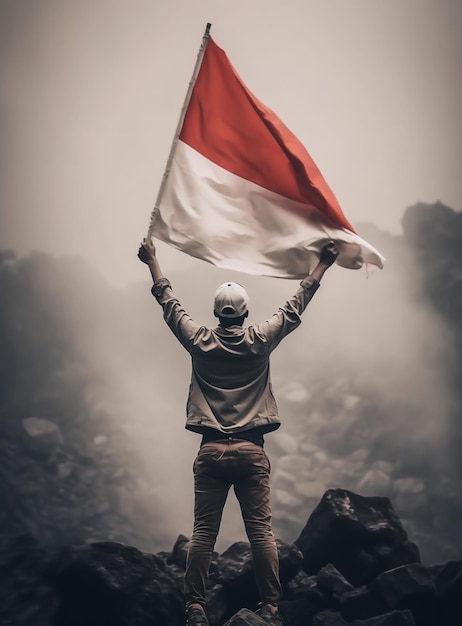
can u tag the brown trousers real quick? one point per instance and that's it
(246, 466)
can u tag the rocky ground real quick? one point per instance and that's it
(352, 564)
(69, 487)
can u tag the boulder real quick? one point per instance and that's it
(25, 598)
(216, 606)
(236, 571)
(244, 617)
(394, 618)
(447, 578)
(361, 603)
(296, 612)
(179, 553)
(109, 584)
(42, 429)
(410, 587)
(304, 586)
(329, 618)
(331, 581)
(41, 438)
(360, 536)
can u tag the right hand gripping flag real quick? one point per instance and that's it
(243, 193)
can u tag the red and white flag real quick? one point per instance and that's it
(242, 192)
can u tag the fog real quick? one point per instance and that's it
(91, 93)
(362, 386)
(365, 388)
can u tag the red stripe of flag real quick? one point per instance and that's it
(229, 126)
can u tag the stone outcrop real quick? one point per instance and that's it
(360, 536)
(110, 584)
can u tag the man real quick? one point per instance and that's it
(232, 406)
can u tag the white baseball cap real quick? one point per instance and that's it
(231, 300)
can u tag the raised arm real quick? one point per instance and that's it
(147, 254)
(327, 257)
(180, 323)
(288, 316)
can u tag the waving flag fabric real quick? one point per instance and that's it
(242, 191)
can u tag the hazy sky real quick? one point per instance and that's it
(92, 90)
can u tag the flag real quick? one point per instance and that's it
(242, 192)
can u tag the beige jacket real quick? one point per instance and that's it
(230, 387)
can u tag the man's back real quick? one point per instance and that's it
(230, 388)
(230, 383)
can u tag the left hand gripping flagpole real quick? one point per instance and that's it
(200, 55)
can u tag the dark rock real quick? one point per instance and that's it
(109, 584)
(25, 598)
(408, 586)
(236, 571)
(180, 551)
(290, 560)
(328, 618)
(361, 536)
(332, 581)
(114, 585)
(361, 603)
(296, 612)
(165, 556)
(304, 586)
(236, 575)
(217, 607)
(447, 579)
(176, 572)
(244, 617)
(59, 494)
(394, 618)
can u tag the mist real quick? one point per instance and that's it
(367, 387)
(363, 388)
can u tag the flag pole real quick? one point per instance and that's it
(200, 55)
